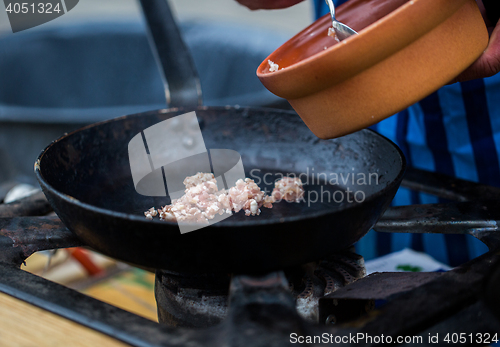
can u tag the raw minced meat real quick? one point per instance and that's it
(289, 189)
(273, 66)
(332, 33)
(150, 213)
(166, 213)
(247, 196)
(200, 177)
(202, 200)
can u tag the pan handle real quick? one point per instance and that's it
(477, 218)
(180, 79)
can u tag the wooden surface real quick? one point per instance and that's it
(131, 290)
(22, 324)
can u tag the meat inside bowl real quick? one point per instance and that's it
(314, 39)
(405, 50)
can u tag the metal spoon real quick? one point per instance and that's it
(342, 30)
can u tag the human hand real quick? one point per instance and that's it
(268, 4)
(488, 64)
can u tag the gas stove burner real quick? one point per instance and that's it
(325, 278)
(200, 301)
(190, 300)
(268, 310)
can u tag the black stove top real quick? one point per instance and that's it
(329, 304)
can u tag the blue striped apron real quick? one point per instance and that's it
(454, 131)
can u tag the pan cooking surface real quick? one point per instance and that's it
(86, 176)
(121, 197)
(94, 166)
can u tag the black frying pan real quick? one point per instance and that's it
(87, 179)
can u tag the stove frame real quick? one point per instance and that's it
(261, 310)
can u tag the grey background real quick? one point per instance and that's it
(287, 21)
(107, 69)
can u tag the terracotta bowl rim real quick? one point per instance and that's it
(360, 45)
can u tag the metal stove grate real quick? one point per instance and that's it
(262, 312)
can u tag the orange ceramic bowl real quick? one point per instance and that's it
(405, 50)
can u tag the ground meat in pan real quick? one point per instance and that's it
(202, 200)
